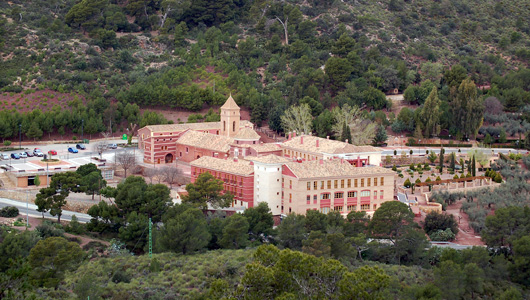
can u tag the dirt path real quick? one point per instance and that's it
(466, 235)
(34, 222)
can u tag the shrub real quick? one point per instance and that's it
(438, 178)
(407, 183)
(121, 276)
(443, 235)
(418, 180)
(48, 229)
(435, 221)
(9, 212)
(498, 178)
(394, 168)
(456, 177)
(428, 179)
(75, 227)
(7, 143)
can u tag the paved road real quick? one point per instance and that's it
(67, 215)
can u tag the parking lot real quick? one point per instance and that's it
(66, 159)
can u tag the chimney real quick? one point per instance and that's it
(327, 137)
(301, 139)
(321, 161)
(346, 141)
(317, 143)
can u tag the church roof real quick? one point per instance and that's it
(247, 133)
(230, 103)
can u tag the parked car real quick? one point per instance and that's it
(52, 152)
(29, 154)
(15, 156)
(38, 152)
(113, 146)
(4, 157)
(80, 146)
(23, 155)
(72, 150)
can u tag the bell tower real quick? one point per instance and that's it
(230, 117)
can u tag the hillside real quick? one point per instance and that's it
(189, 55)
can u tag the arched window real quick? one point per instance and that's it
(234, 126)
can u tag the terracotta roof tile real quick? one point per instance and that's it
(325, 145)
(230, 103)
(240, 167)
(332, 168)
(269, 159)
(247, 133)
(206, 141)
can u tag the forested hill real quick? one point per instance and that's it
(270, 54)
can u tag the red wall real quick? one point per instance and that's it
(195, 152)
(242, 187)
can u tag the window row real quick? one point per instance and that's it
(329, 184)
(349, 208)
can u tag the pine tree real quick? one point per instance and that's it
(34, 131)
(452, 162)
(441, 161)
(380, 135)
(474, 167)
(346, 133)
(430, 114)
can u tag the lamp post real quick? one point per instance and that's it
(419, 142)
(27, 208)
(20, 136)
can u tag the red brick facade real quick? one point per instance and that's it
(241, 186)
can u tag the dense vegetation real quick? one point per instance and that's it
(270, 55)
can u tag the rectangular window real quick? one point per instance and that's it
(375, 181)
(325, 196)
(382, 180)
(339, 195)
(375, 206)
(308, 199)
(322, 185)
(308, 186)
(342, 184)
(368, 181)
(362, 182)
(365, 194)
(290, 197)
(338, 208)
(349, 182)
(329, 184)
(315, 185)
(324, 210)
(336, 183)
(375, 194)
(187, 150)
(355, 183)
(352, 194)
(352, 207)
(381, 193)
(365, 206)
(315, 198)
(290, 184)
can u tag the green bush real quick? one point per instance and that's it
(48, 229)
(9, 212)
(498, 178)
(75, 227)
(407, 183)
(7, 143)
(456, 177)
(443, 235)
(438, 178)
